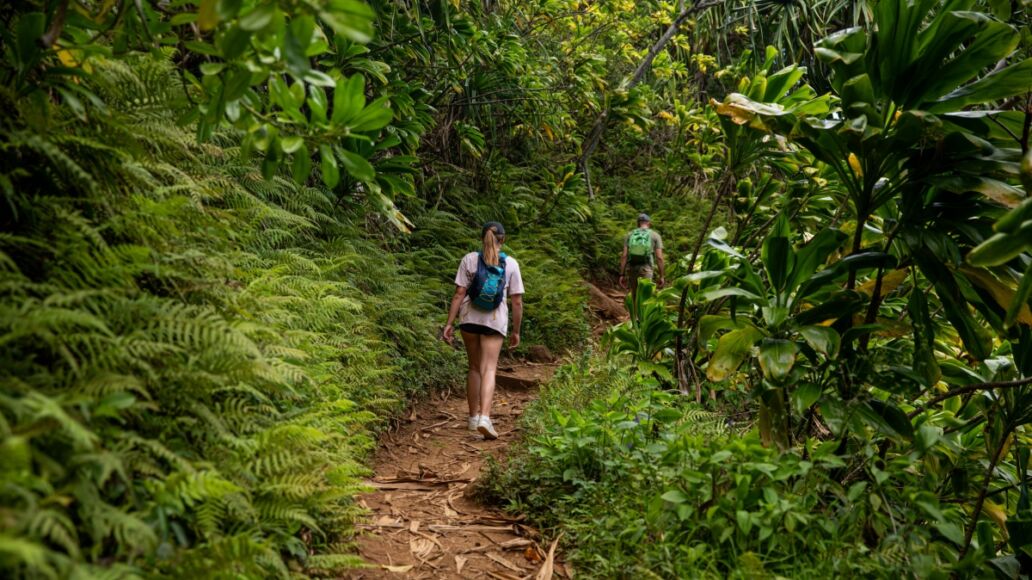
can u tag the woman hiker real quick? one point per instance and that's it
(484, 280)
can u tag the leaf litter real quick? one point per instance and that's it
(423, 520)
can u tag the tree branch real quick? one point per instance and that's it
(599, 127)
(970, 389)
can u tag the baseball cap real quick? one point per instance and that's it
(644, 217)
(498, 228)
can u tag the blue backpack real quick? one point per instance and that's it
(488, 288)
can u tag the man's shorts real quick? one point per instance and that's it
(643, 271)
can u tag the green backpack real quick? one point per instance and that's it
(639, 246)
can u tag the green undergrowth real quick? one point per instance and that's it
(196, 358)
(644, 482)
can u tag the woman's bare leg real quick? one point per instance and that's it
(472, 342)
(490, 347)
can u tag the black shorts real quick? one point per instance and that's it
(479, 329)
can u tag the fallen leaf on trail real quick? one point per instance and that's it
(504, 562)
(421, 548)
(413, 416)
(460, 561)
(515, 543)
(448, 512)
(547, 569)
(387, 521)
(398, 569)
(413, 526)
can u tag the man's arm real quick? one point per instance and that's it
(661, 267)
(623, 266)
(517, 320)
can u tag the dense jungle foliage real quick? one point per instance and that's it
(229, 229)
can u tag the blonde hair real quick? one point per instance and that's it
(492, 245)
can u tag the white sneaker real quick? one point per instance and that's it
(486, 428)
(474, 422)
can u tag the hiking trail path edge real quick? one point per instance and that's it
(423, 520)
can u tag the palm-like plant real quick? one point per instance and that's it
(912, 131)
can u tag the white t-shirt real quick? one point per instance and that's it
(497, 319)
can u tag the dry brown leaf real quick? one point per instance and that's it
(515, 544)
(431, 538)
(531, 554)
(548, 568)
(460, 561)
(387, 522)
(413, 526)
(399, 569)
(421, 548)
(502, 576)
(504, 562)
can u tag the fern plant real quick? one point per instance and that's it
(194, 356)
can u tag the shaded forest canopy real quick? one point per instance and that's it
(228, 231)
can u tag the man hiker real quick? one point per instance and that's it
(642, 250)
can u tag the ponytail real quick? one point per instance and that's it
(491, 247)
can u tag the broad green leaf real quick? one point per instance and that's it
(317, 103)
(348, 99)
(815, 254)
(777, 255)
(894, 421)
(350, 18)
(717, 294)
(1003, 293)
(804, 396)
(1014, 219)
(1020, 302)
(822, 339)
(711, 323)
(31, 26)
(1008, 82)
(233, 42)
(280, 93)
(295, 45)
(258, 18)
(675, 496)
(926, 437)
(839, 305)
(328, 163)
(291, 143)
(1002, 247)
(238, 80)
(212, 68)
(951, 530)
(732, 348)
(925, 364)
(302, 166)
(777, 357)
(357, 166)
(318, 78)
(373, 117)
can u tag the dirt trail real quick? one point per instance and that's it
(423, 522)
